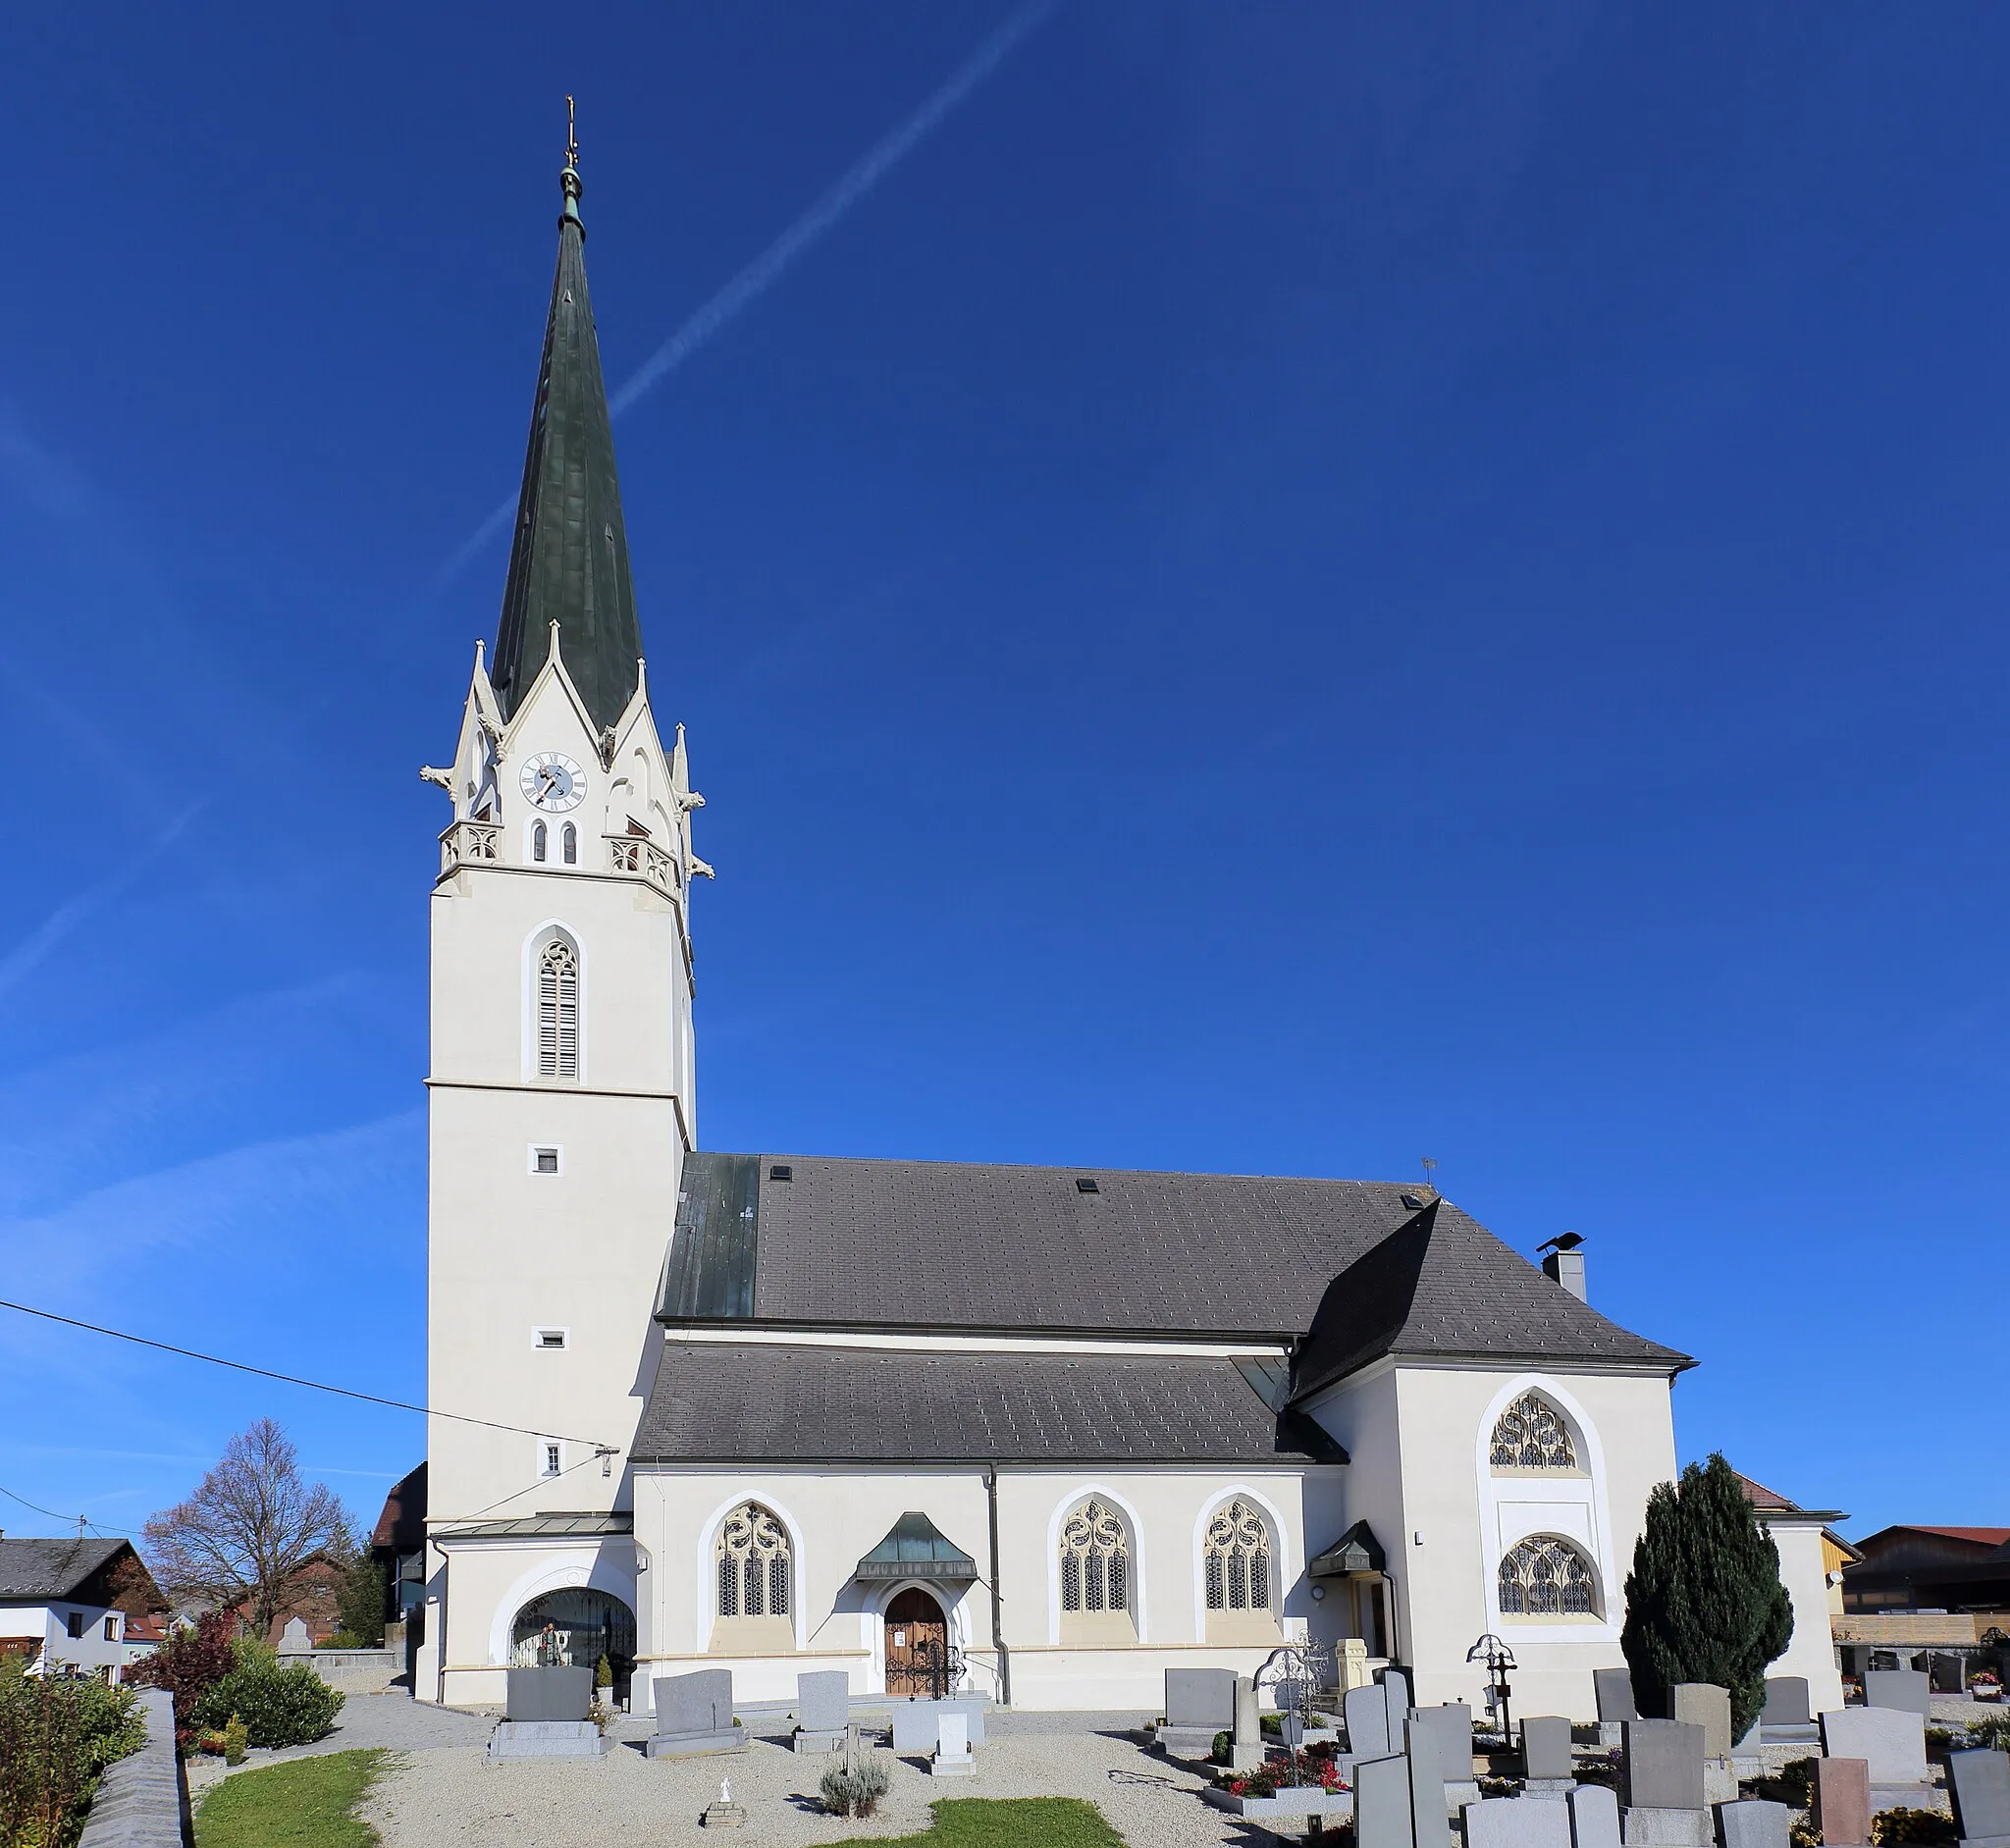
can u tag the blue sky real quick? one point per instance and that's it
(1296, 588)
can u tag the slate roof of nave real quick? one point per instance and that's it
(760, 1402)
(951, 1246)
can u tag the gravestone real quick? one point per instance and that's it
(1199, 1703)
(1509, 1823)
(1842, 1802)
(914, 1723)
(1663, 1765)
(1908, 1690)
(1382, 1810)
(1703, 1704)
(823, 1704)
(952, 1757)
(546, 1694)
(694, 1716)
(1614, 1690)
(1751, 1824)
(546, 1738)
(1666, 1801)
(1979, 1783)
(1594, 1817)
(1367, 1711)
(293, 1640)
(1546, 1752)
(1889, 1739)
(1395, 1686)
(1430, 1826)
(1786, 1701)
(1450, 1732)
(1245, 1743)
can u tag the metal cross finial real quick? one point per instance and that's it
(572, 137)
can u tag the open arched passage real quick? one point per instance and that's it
(574, 1628)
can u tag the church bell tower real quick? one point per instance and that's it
(562, 1068)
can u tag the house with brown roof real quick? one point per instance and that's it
(1929, 1568)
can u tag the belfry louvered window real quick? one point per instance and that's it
(1096, 1559)
(753, 1561)
(1531, 1435)
(558, 1010)
(1238, 1559)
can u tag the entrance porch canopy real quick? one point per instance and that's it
(916, 1548)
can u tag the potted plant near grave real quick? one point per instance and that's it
(1985, 1686)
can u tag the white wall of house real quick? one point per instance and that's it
(91, 1649)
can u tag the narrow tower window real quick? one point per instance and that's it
(558, 1010)
(571, 845)
(537, 843)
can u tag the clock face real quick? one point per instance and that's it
(553, 782)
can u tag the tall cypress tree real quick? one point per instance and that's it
(1704, 1600)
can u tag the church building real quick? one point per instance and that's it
(1040, 1433)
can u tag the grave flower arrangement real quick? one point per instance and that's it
(1985, 1687)
(1315, 1767)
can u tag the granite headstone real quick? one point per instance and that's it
(1199, 1703)
(1842, 1801)
(1663, 1765)
(1786, 1700)
(293, 1640)
(1751, 1824)
(546, 1694)
(1430, 1825)
(952, 1757)
(1980, 1783)
(1546, 1750)
(1908, 1690)
(914, 1722)
(1614, 1690)
(1703, 1704)
(1367, 1711)
(1594, 1817)
(1381, 1807)
(1890, 1739)
(694, 1715)
(1509, 1822)
(1450, 1728)
(822, 1710)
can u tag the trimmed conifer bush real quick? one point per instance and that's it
(1704, 1600)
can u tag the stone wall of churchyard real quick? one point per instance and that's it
(139, 1802)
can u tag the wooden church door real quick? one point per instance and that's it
(917, 1645)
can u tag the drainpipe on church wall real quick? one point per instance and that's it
(997, 1598)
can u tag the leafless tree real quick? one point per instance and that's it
(250, 1527)
(132, 1588)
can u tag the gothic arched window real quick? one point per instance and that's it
(1532, 1433)
(1236, 1561)
(751, 1558)
(558, 1010)
(1547, 1577)
(1095, 1563)
(570, 843)
(537, 843)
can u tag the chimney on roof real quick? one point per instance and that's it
(1563, 1263)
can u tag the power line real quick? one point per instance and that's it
(78, 1520)
(293, 1379)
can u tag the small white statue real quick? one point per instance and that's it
(725, 1793)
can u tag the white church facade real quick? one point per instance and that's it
(1047, 1432)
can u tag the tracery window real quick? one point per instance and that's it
(1237, 1560)
(1096, 1559)
(753, 1561)
(1532, 1433)
(558, 1010)
(1547, 1577)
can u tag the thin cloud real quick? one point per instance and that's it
(64, 918)
(810, 229)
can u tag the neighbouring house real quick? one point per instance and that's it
(314, 1597)
(144, 1635)
(397, 1545)
(56, 1604)
(1929, 1568)
(1051, 1431)
(1805, 1543)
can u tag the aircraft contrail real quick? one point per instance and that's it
(811, 229)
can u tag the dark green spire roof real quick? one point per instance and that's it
(568, 560)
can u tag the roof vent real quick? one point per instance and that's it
(781, 1171)
(1086, 1183)
(1412, 1201)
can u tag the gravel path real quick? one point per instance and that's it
(391, 1719)
(455, 1799)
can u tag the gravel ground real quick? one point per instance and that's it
(391, 1720)
(455, 1799)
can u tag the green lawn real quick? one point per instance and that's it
(303, 1804)
(1007, 1822)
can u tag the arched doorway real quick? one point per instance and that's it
(917, 1660)
(573, 1629)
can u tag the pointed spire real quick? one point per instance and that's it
(568, 559)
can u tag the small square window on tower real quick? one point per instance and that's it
(550, 1341)
(545, 1158)
(552, 1458)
